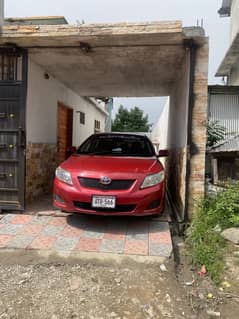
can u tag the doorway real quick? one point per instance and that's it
(64, 131)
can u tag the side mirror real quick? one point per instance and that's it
(71, 150)
(163, 153)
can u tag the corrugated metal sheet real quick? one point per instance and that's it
(225, 109)
(230, 145)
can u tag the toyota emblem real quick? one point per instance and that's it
(105, 180)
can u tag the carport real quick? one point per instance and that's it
(134, 60)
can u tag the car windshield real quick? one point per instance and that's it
(117, 145)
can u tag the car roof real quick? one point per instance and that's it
(120, 133)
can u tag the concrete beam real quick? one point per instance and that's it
(94, 34)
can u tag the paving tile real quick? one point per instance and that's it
(112, 246)
(93, 234)
(158, 226)
(115, 236)
(71, 232)
(4, 239)
(136, 247)
(64, 243)
(42, 242)
(7, 218)
(10, 229)
(51, 231)
(31, 229)
(159, 249)
(160, 237)
(89, 244)
(21, 219)
(40, 220)
(137, 236)
(20, 241)
(58, 221)
(115, 228)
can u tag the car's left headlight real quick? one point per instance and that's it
(152, 180)
(64, 176)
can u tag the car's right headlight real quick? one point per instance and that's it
(64, 175)
(152, 180)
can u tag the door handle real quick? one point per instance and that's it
(3, 175)
(22, 137)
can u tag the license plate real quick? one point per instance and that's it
(103, 201)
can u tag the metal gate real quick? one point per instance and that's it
(13, 83)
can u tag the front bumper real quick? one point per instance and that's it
(131, 202)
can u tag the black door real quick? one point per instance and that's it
(12, 128)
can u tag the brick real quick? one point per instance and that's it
(71, 232)
(32, 230)
(112, 246)
(115, 236)
(58, 221)
(7, 218)
(64, 243)
(89, 244)
(20, 241)
(160, 237)
(40, 220)
(10, 229)
(134, 235)
(50, 230)
(163, 250)
(43, 242)
(136, 247)
(4, 240)
(21, 219)
(93, 234)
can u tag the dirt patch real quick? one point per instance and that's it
(206, 298)
(90, 290)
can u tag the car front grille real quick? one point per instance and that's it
(116, 184)
(117, 209)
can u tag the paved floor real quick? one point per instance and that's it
(125, 236)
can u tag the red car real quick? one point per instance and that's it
(111, 174)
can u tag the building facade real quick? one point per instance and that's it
(229, 67)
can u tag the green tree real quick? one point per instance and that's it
(130, 120)
(215, 133)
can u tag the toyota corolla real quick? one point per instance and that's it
(111, 174)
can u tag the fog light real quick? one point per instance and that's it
(59, 199)
(154, 204)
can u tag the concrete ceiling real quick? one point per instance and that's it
(108, 60)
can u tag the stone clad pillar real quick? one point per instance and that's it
(199, 120)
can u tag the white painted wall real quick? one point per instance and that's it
(41, 114)
(159, 135)
(234, 19)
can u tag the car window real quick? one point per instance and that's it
(117, 145)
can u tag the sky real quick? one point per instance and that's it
(97, 11)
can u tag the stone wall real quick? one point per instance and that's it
(196, 187)
(40, 167)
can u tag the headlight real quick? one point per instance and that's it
(63, 175)
(153, 179)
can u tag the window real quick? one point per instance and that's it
(97, 126)
(82, 118)
(114, 144)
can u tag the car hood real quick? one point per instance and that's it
(95, 166)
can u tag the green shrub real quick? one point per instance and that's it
(214, 214)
